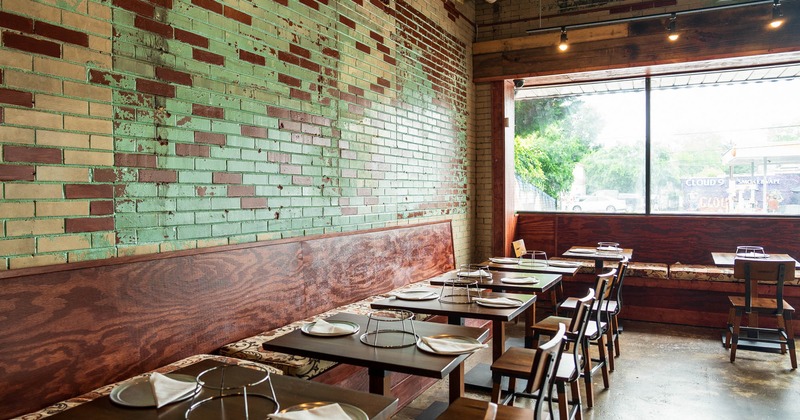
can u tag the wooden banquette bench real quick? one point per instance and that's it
(672, 277)
(69, 329)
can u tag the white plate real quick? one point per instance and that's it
(352, 328)
(498, 305)
(138, 392)
(565, 264)
(609, 249)
(752, 255)
(520, 280)
(352, 411)
(504, 260)
(422, 294)
(426, 348)
(582, 251)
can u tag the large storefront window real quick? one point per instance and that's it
(720, 143)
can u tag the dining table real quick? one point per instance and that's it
(727, 259)
(380, 362)
(599, 256)
(289, 392)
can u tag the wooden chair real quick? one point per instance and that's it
(611, 308)
(595, 334)
(751, 304)
(516, 363)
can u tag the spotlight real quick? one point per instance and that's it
(672, 34)
(518, 83)
(563, 45)
(777, 14)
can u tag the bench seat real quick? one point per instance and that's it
(251, 348)
(106, 389)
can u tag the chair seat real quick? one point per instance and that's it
(516, 362)
(591, 330)
(467, 408)
(759, 304)
(566, 368)
(549, 325)
(608, 305)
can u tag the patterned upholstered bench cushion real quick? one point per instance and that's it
(251, 348)
(648, 270)
(700, 272)
(106, 389)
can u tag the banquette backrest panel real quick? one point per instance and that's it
(664, 239)
(68, 329)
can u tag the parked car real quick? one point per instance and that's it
(598, 204)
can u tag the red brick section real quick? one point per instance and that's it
(299, 94)
(139, 7)
(208, 57)
(191, 39)
(106, 175)
(210, 138)
(253, 203)
(136, 161)
(17, 173)
(16, 97)
(182, 149)
(252, 58)
(241, 190)
(209, 5)
(253, 131)
(150, 25)
(61, 34)
(89, 191)
(101, 208)
(289, 80)
(88, 224)
(31, 154)
(310, 3)
(16, 22)
(226, 178)
(208, 111)
(237, 15)
(155, 88)
(31, 45)
(105, 78)
(174, 76)
(157, 175)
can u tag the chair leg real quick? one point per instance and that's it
(782, 327)
(563, 409)
(737, 323)
(587, 374)
(512, 389)
(576, 400)
(495, 397)
(615, 322)
(610, 347)
(731, 316)
(790, 340)
(601, 350)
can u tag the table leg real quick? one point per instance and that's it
(530, 320)
(499, 339)
(456, 383)
(379, 382)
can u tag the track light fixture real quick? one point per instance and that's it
(777, 14)
(563, 45)
(672, 34)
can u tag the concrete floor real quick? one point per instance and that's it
(673, 372)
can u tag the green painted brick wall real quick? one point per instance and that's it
(296, 118)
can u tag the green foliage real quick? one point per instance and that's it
(552, 136)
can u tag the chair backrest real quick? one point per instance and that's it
(601, 295)
(580, 320)
(543, 369)
(751, 271)
(519, 247)
(616, 287)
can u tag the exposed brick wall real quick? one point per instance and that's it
(143, 126)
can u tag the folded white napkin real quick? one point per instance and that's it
(445, 345)
(476, 273)
(322, 326)
(520, 280)
(415, 294)
(568, 264)
(499, 301)
(167, 390)
(326, 412)
(583, 251)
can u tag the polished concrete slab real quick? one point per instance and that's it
(674, 372)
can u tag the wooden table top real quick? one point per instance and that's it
(464, 310)
(546, 281)
(349, 349)
(289, 391)
(564, 271)
(598, 255)
(725, 259)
